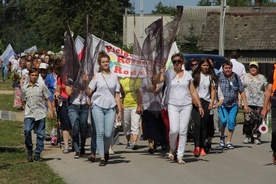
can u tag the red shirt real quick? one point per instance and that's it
(63, 94)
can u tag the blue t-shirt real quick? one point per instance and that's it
(50, 82)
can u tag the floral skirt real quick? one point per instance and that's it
(252, 121)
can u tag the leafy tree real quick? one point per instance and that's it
(191, 40)
(161, 9)
(204, 3)
(43, 22)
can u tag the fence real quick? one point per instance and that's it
(265, 63)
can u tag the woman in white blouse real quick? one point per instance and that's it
(180, 90)
(105, 90)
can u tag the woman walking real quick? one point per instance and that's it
(204, 81)
(254, 87)
(180, 90)
(105, 90)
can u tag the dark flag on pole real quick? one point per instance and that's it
(71, 64)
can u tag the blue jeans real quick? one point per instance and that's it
(78, 118)
(39, 125)
(4, 72)
(228, 115)
(104, 122)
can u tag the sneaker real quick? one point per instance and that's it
(196, 151)
(111, 152)
(128, 146)
(77, 155)
(222, 142)
(229, 146)
(38, 158)
(246, 140)
(30, 156)
(66, 149)
(202, 152)
(54, 141)
(257, 142)
(134, 146)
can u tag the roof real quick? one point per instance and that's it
(244, 31)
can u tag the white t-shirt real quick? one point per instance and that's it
(203, 89)
(106, 86)
(178, 89)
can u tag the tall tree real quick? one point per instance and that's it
(162, 9)
(43, 22)
(190, 45)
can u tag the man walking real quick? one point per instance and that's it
(34, 95)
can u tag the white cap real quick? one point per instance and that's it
(43, 65)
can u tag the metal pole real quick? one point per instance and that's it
(222, 27)
(141, 21)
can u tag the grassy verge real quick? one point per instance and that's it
(7, 85)
(6, 103)
(13, 163)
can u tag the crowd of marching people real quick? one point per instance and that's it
(156, 106)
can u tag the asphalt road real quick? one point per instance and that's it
(246, 164)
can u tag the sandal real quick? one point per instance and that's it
(181, 161)
(171, 156)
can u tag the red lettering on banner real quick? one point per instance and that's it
(116, 50)
(126, 72)
(128, 61)
(108, 48)
(118, 69)
(120, 59)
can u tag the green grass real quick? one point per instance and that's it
(7, 85)
(6, 103)
(13, 163)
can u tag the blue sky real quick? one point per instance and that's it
(149, 5)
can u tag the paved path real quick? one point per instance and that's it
(246, 164)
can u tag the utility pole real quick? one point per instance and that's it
(222, 27)
(141, 21)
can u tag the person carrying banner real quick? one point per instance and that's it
(180, 90)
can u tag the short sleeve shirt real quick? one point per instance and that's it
(230, 89)
(35, 97)
(254, 88)
(178, 89)
(104, 87)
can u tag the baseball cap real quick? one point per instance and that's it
(43, 65)
(254, 63)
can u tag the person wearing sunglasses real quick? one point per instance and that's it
(179, 94)
(193, 65)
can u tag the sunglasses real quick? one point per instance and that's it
(194, 64)
(176, 61)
